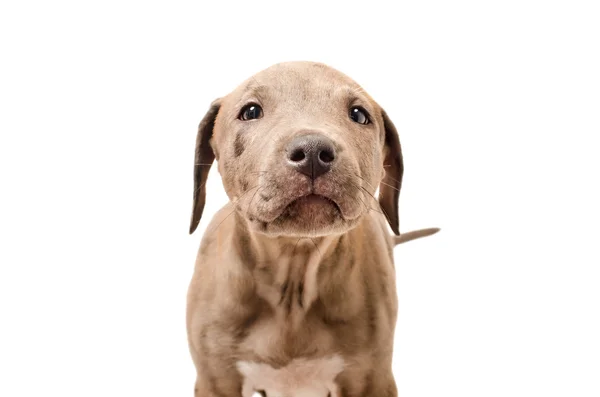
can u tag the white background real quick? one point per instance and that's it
(497, 104)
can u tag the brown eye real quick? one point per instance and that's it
(251, 111)
(359, 115)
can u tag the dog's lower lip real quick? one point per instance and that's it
(314, 199)
(311, 201)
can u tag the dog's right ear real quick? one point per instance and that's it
(389, 189)
(203, 161)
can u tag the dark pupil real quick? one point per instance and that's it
(358, 116)
(253, 112)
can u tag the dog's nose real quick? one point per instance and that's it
(311, 154)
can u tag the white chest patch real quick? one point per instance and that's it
(300, 378)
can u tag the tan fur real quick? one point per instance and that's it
(279, 282)
(415, 234)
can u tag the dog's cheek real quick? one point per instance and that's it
(214, 148)
(371, 165)
(239, 145)
(228, 176)
(246, 180)
(242, 184)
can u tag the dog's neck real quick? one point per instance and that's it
(288, 271)
(261, 250)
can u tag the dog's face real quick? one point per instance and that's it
(301, 150)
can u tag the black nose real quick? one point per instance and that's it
(311, 154)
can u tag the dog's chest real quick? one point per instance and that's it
(280, 338)
(299, 378)
(297, 319)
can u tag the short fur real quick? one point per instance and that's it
(281, 277)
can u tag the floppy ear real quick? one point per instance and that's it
(389, 189)
(203, 161)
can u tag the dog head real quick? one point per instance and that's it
(301, 150)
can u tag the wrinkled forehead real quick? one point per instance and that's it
(300, 85)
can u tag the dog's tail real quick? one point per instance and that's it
(415, 234)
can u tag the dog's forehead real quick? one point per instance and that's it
(300, 78)
(303, 72)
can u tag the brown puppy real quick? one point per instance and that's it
(296, 272)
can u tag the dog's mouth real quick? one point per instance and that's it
(309, 204)
(300, 207)
(310, 210)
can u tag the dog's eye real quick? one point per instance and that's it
(359, 115)
(251, 112)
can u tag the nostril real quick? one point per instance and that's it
(297, 155)
(326, 156)
(310, 154)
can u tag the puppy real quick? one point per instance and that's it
(294, 285)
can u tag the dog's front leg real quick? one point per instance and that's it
(202, 388)
(387, 388)
(205, 388)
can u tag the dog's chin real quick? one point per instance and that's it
(308, 216)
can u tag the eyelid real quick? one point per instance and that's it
(361, 108)
(247, 105)
(356, 102)
(250, 103)
(248, 99)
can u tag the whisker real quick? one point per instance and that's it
(388, 176)
(200, 187)
(393, 179)
(250, 203)
(358, 90)
(365, 181)
(234, 202)
(257, 172)
(363, 202)
(376, 201)
(246, 192)
(382, 182)
(227, 216)
(366, 206)
(296, 246)
(316, 246)
(387, 184)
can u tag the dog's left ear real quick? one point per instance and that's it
(389, 189)
(203, 161)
